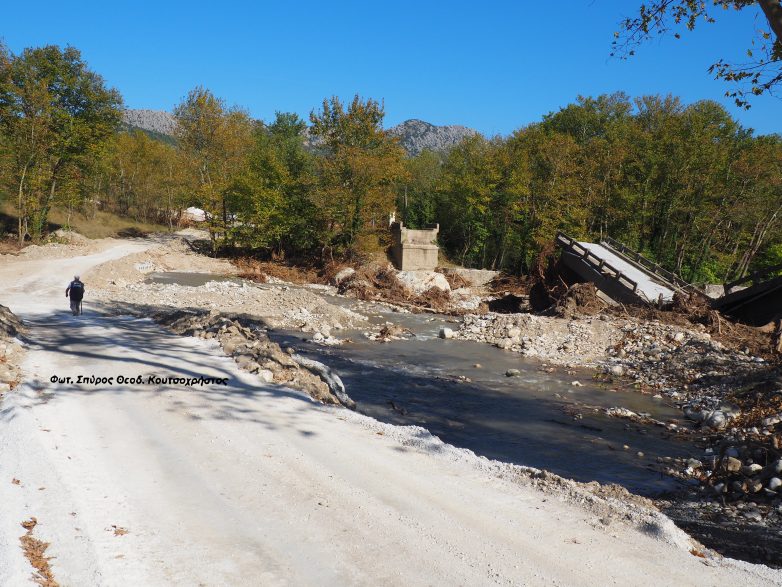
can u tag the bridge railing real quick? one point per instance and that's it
(598, 264)
(669, 277)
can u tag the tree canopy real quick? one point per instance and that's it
(685, 184)
(56, 116)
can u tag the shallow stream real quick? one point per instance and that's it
(537, 419)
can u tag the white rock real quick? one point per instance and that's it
(446, 333)
(344, 274)
(266, 376)
(774, 483)
(420, 281)
(621, 413)
(715, 420)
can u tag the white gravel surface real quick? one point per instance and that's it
(252, 484)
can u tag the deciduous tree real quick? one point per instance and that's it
(55, 113)
(216, 141)
(359, 167)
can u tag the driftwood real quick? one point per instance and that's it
(332, 379)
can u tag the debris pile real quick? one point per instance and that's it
(274, 272)
(246, 341)
(10, 350)
(413, 289)
(568, 342)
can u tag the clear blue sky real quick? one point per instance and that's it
(490, 65)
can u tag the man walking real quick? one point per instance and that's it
(76, 292)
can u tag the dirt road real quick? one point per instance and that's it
(253, 484)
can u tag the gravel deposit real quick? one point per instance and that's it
(279, 305)
(11, 351)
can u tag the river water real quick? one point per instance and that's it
(537, 419)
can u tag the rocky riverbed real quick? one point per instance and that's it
(734, 400)
(127, 280)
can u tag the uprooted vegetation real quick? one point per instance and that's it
(380, 283)
(265, 271)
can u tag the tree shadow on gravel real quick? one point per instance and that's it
(97, 342)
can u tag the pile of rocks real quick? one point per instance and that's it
(740, 472)
(10, 350)
(734, 471)
(252, 350)
(684, 364)
(663, 357)
(68, 237)
(428, 290)
(567, 342)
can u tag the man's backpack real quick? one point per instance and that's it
(77, 290)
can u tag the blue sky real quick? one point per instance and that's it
(493, 66)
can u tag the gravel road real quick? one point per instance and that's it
(253, 484)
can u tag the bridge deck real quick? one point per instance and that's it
(648, 286)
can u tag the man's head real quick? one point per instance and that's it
(76, 278)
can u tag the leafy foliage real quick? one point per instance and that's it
(357, 171)
(684, 184)
(56, 116)
(215, 142)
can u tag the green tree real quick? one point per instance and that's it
(215, 141)
(273, 196)
(417, 196)
(470, 180)
(147, 179)
(55, 113)
(358, 169)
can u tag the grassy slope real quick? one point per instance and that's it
(103, 225)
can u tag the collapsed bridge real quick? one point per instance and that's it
(619, 272)
(626, 276)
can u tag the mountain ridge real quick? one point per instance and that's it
(414, 135)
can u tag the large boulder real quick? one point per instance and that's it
(418, 282)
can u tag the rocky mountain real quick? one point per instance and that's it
(414, 135)
(155, 121)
